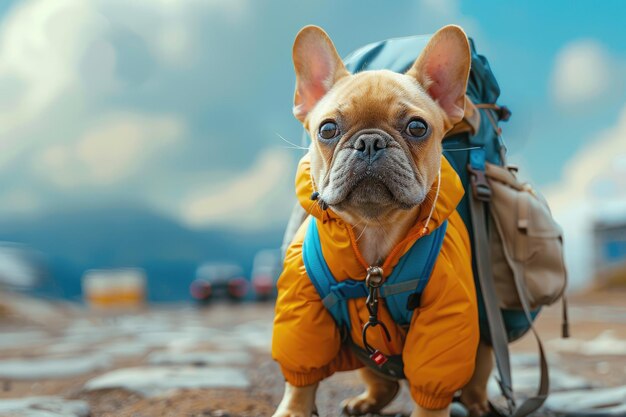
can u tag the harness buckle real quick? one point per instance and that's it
(480, 186)
(378, 357)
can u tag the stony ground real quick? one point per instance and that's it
(187, 361)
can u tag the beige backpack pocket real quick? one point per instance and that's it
(526, 242)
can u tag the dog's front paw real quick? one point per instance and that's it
(290, 413)
(359, 405)
(295, 412)
(371, 401)
(476, 402)
(297, 402)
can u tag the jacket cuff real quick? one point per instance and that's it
(431, 401)
(301, 379)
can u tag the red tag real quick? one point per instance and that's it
(378, 358)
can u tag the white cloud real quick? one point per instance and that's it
(90, 51)
(174, 45)
(67, 67)
(108, 152)
(584, 72)
(593, 187)
(37, 55)
(84, 99)
(20, 201)
(254, 199)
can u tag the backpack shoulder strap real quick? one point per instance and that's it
(478, 200)
(322, 279)
(404, 287)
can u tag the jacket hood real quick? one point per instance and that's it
(450, 194)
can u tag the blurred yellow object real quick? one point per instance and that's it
(121, 288)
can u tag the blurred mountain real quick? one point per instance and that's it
(76, 240)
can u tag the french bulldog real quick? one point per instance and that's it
(376, 152)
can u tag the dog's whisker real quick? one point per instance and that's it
(292, 147)
(385, 235)
(362, 233)
(295, 146)
(354, 226)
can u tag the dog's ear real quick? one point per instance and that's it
(443, 69)
(318, 66)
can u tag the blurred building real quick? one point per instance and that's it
(120, 288)
(610, 253)
(21, 267)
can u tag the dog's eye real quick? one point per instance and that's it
(328, 130)
(417, 128)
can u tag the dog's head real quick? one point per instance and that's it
(376, 135)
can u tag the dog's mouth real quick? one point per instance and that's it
(368, 190)
(371, 196)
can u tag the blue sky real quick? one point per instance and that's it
(176, 106)
(523, 40)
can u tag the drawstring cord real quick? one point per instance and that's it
(432, 208)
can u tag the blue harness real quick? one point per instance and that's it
(402, 290)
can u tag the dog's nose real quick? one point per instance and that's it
(370, 144)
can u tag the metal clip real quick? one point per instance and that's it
(374, 278)
(374, 281)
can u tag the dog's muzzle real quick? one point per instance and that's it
(371, 144)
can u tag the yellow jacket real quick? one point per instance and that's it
(438, 348)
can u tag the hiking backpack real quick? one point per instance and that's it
(517, 256)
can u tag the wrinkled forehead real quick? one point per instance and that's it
(375, 96)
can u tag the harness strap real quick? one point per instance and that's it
(320, 275)
(344, 291)
(349, 289)
(402, 289)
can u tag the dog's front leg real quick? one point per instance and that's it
(474, 394)
(297, 401)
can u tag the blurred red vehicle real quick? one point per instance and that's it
(266, 269)
(219, 280)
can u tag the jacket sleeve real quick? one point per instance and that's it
(305, 339)
(440, 348)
